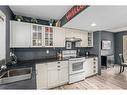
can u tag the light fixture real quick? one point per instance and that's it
(93, 24)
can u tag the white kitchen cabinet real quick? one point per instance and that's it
(41, 76)
(37, 35)
(57, 73)
(63, 75)
(72, 33)
(90, 39)
(48, 36)
(53, 78)
(58, 37)
(19, 34)
(84, 37)
(91, 66)
(52, 74)
(68, 33)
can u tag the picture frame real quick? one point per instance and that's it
(106, 44)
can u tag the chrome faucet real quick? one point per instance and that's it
(3, 65)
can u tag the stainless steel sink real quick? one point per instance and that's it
(16, 75)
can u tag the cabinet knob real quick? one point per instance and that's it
(94, 66)
(58, 62)
(58, 66)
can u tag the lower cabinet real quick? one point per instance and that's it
(63, 75)
(51, 74)
(41, 76)
(53, 78)
(91, 66)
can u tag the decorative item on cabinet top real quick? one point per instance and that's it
(18, 18)
(51, 21)
(34, 20)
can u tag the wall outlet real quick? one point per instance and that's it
(47, 51)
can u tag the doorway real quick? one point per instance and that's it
(2, 38)
(125, 48)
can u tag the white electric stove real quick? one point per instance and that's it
(76, 66)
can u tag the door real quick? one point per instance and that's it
(125, 48)
(76, 66)
(2, 37)
(88, 67)
(37, 37)
(63, 75)
(63, 72)
(69, 33)
(84, 37)
(52, 78)
(48, 36)
(41, 76)
(20, 33)
(59, 37)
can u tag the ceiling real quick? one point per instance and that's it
(41, 12)
(111, 18)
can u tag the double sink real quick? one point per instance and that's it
(14, 75)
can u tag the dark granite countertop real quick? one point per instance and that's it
(90, 56)
(31, 63)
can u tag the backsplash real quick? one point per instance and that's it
(41, 53)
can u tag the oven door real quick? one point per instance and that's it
(76, 67)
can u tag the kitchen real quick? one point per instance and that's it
(40, 54)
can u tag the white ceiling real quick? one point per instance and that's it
(41, 12)
(112, 18)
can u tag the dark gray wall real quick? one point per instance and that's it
(119, 45)
(109, 36)
(9, 15)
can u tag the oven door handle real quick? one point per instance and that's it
(77, 61)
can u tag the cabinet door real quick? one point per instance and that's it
(52, 78)
(63, 75)
(89, 67)
(59, 37)
(69, 33)
(84, 37)
(20, 34)
(48, 36)
(41, 76)
(37, 35)
(90, 39)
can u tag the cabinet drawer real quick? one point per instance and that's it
(52, 65)
(63, 64)
(57, 64)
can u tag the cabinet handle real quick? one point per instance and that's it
(94, 66)
(58, 69)
(58, 66)
(94, 71)
(58, 62)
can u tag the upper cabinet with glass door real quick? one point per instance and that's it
(48, 36)
(90, 39)
(37, 35)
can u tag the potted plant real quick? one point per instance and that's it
(18, 18)
(33, 20)
(51, 22)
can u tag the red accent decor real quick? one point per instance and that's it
(74, 11)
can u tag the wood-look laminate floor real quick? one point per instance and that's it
(110, 79)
